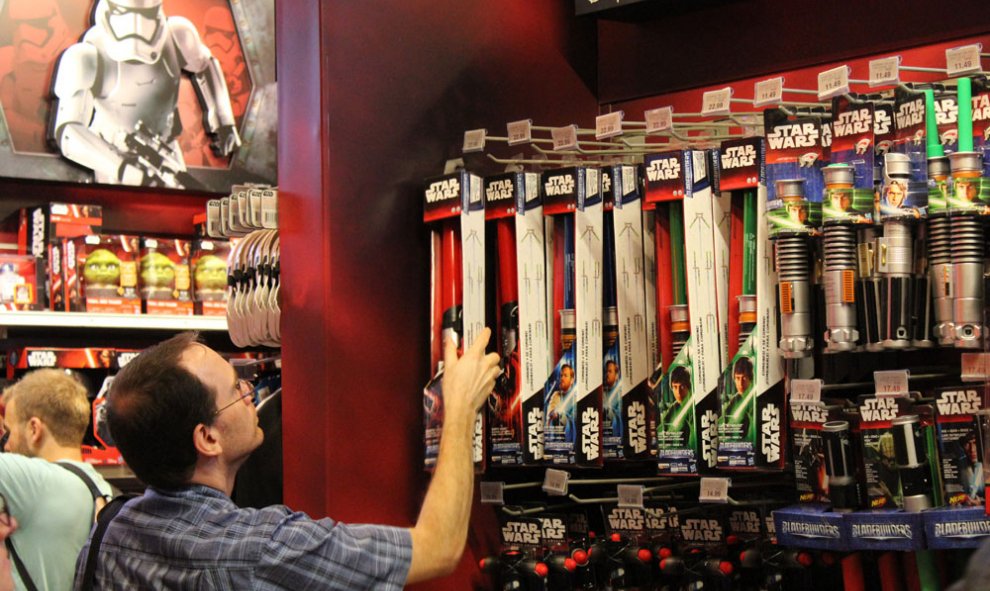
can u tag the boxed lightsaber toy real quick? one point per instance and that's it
(165, 281)
(515, 410)
(208, 261)
(573, 392)
(458, 289)
(807, 424)
(687, 436)
(101, 274)
(960, 444)
(68, 358)
(751, 393)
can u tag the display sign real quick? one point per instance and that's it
(181, 103)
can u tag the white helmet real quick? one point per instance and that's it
(135, 29)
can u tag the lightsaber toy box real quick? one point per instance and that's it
(960, 444)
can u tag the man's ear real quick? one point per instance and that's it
(35, 431)
(206, 442)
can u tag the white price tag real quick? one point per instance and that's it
(658, 120)
(714, 490)
(975, 367)
(555, 482)
(564, 138)
(884, 71)
(608, 125)
(768, 92)
(833, 82)
(520, 132)
(893, 383)
(806, 391)
(474, 140)
(491, 493)
(630, 495)
(960, 61)
(716, 102)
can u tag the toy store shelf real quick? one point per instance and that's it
(113, 321)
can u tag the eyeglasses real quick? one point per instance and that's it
(245, 391)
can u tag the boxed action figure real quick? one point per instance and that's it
(208, 261)
(165, 285)
(101, 274)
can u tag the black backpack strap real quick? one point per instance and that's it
(93, 489)
(19, 565)
(106, 515)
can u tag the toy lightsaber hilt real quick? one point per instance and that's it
(794, 285)
(747, 317)
(941, 277)
(843, 489)
(840, 287)
(895, 261)
(868, 289)
(967, 278)
(912, 463)
(680, 327)
(452, 325)
(921, 317)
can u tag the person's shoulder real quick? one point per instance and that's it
(94, 474)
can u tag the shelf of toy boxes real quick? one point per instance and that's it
(115, 321)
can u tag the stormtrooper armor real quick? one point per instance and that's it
(117, 91)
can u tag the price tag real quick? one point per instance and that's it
(520, 132)
(806, 391)
(564, 138)
(768, 92)
(833, 82)
(453, 165)
(716, 102)
(884, 71)
(474, 140)
(491, 492)
(630, 495)
(714, 490)
(892, 383)
(975, 367)
(960, 61)
(658, 120)
(608, 125)
(555, 482)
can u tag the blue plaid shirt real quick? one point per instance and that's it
(196, 538)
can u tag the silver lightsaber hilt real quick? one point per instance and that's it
(868, 290)
(747, 317)
(941, 278)
(794, 288)
(680, 327)
(912, 463)
(921, 313)
(840, 288)
(967, 281)
(895, 262)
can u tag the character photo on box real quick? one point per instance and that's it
(561, 405)
(739, 408)
(210, 276)
(612, 393)
(881, 453)
(118, 90)
(676, 410)
(812, 456)
(969, 460)
(101, 272)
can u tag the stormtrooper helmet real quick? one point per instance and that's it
(134, 29)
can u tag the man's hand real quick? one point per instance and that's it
(468, 380)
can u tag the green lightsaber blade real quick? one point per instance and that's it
(964, 122)
(934, 145)
(749, 243)
(677, 253)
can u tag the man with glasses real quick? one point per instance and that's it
(185, 424)
(46, 415)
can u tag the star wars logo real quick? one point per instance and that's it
(636, 424)
(553, 529)
(808, 413)
(910, 114)
(38, 233)
(881, 531)
(41, 359)
(878, 409)
(794, 135)
(517, 532)
(745, 522)
(125, 357)
(981, 107)
(701, 530)
(958, 402)
(625, 519)
(738, 157)
(664, 169)
(534, 430)
(56, 258)
(946, 111)
(852, 123)
(606, 182)
(657, 519)
(443, 190)
(559, 185)
(709, 437)
(881, 122)
(590, 420)
(478, 448)
(770, 432)
(500, 190)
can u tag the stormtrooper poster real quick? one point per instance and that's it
(176, 94)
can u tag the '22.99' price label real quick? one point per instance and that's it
(716, 102)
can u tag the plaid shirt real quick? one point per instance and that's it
(196, 538)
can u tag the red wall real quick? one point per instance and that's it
(369, 105)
